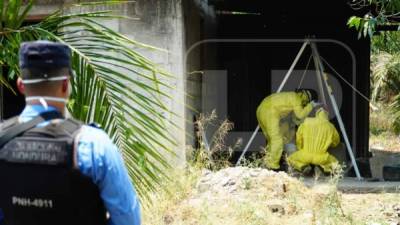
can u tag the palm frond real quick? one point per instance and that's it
(114, 86)
(385, 79)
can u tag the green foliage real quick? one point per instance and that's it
(395, 108)
(256, 159)
(385, 79)
(385, 82)
(114, 85)
(365, 26)
(386, 42)
(381, 12)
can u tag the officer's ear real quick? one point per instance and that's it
(20, 85)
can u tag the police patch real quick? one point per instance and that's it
(36, 151)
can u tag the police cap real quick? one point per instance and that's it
(44, 58)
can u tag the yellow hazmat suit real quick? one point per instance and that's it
(313, 138)
(269, 114)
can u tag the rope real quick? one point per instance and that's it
(343, 79)
(305, 72)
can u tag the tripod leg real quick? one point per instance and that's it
(337, 113)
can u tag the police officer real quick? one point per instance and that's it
(55, 170)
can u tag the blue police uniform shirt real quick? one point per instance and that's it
(99, 159)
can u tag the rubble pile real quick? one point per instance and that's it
(233, 180)
(242, 195)
(242, 184)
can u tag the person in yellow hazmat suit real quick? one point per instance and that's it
(276, 107)
(313, 139)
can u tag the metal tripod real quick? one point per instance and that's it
(322, 82)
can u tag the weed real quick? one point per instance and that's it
(213, 154)
(255, 160)
(246, 182)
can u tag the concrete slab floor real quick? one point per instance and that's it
(352, 185)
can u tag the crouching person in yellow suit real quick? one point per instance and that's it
(276, 107)
(313, 138)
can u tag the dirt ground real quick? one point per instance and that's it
(256, 196)
(383, 208)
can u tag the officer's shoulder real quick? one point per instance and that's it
(89, 130)
(93, 128)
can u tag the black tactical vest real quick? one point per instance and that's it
(39, 182)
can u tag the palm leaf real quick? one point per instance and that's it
(114, 86)
(385, 77)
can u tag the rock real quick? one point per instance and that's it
(254, 173)
(276, 206)
(205, 179)
(203, 187)
(232, 190)
(225, 181)
(277, 209)
(205, 172)
(231, 182)
(396, 209)
(388, 214)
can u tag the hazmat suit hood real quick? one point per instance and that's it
(304, 97)
(322, 114)
(307, 95)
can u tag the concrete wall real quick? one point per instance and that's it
(158, 23)
(193, 23)
(199, 18)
